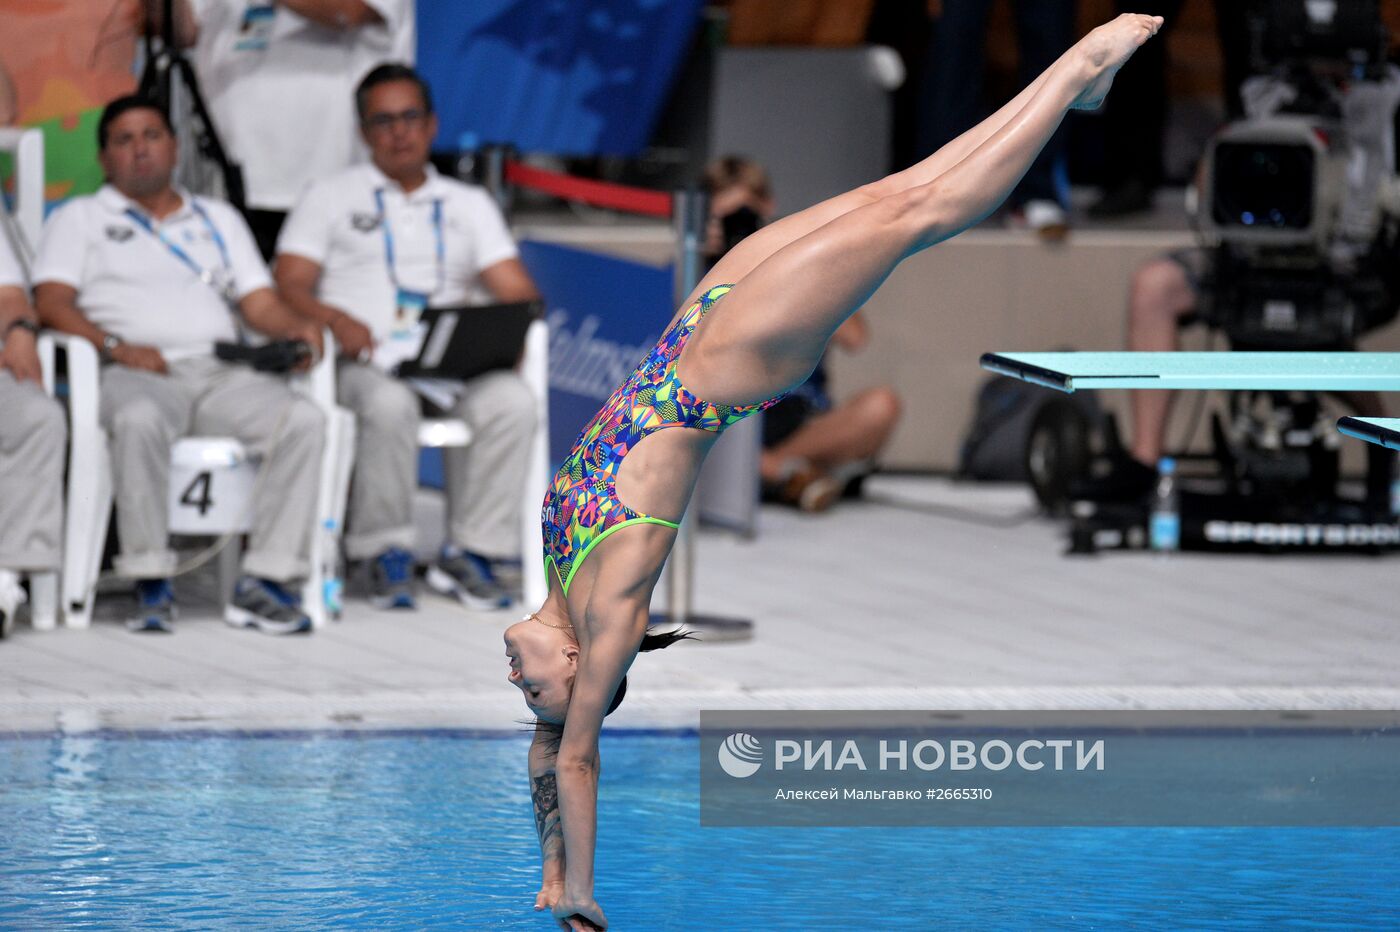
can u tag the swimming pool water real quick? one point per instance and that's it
(434, 830)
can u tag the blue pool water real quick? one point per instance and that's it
(433, 830)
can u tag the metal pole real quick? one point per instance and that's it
(688, 216)
(494, 178)
(689, 212)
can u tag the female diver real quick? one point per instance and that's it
(794, 282)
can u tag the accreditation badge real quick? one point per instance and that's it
(222, 282)
(408, 308)
(255, 31)
(406, 334)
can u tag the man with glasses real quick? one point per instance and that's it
(154, 277)
(278, 76)
(364, 253)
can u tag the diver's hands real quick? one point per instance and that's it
(1106, 49)
(551, 891)
(579, 913)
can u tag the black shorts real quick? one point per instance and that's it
(783, 419)
(1195, 263)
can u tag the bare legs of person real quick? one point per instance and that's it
(849, 435)
(1161, 297)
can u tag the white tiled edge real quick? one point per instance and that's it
(643, 710)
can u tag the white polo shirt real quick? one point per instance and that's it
(132, 284)
(281, 88)
(337, 224)
(11, 272)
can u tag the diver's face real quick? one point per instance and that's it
(543, 662)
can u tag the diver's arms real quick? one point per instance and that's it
(544, 796)
(601, 666)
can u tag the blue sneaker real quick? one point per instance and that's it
(155, 607)
(265, 605)
(467, 577)
(391, 580)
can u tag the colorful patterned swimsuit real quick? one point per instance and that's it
(582, 507)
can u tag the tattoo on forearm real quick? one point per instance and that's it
(545, 793)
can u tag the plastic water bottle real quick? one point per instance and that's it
(1164, 529)
(332, 573)
(467, 144)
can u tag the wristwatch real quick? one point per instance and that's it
(23, 323)
(110, 342)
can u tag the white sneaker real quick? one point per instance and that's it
(11, 598)
(1046, 219)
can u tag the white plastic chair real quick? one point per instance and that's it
(534, 368)
(226, 462)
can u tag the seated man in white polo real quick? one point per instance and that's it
(33, 437)
(154, 277)
(364, 252)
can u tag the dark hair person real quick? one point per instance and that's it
(384, 74)
(122, 105)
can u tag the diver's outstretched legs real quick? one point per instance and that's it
(768, 333)
(747, 255)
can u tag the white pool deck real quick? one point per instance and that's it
(872, 606)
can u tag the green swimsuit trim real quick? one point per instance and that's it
(578, 560)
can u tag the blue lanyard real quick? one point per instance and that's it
(441, 250)
(204, 274)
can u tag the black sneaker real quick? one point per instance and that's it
(155, 607)
(1115, 478)
(467, 578)
(265, 605)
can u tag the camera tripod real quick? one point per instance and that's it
(169, 78)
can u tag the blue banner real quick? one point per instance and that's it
(553, 76)
(604, 315)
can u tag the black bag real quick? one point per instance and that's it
(1026, 433)
(278, 356)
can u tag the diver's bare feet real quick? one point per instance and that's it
(1106, 49)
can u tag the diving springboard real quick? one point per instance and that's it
(1231, 371)
(1382, 431)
